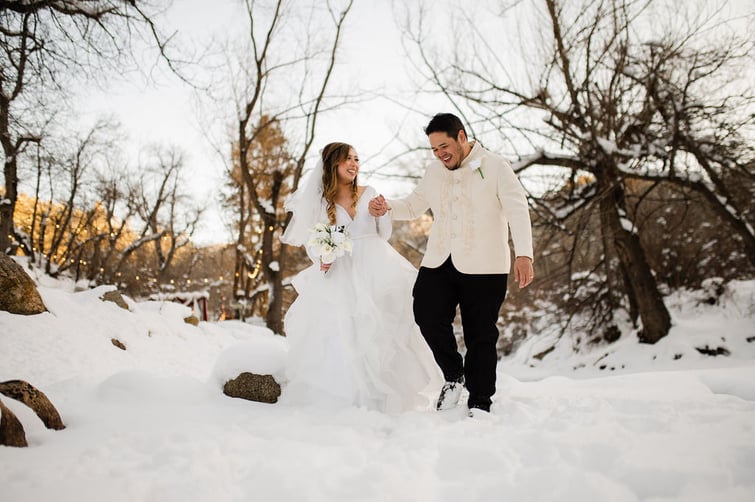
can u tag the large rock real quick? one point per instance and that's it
(115, 297)
(34, 399)
(11, 431)
(253, 387)
(18, 293)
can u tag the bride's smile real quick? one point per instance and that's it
(348, 168)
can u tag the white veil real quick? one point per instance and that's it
(306, 205)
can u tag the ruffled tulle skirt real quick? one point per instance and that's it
(352, 335)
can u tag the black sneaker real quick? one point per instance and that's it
(450, 394)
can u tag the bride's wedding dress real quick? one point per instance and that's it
(351, 330)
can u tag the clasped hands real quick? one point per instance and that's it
(378, 206)
(523, 270)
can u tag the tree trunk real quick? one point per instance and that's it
(274, 318)
(275, 305)
(8, 200)
(7, 208)
(641, 286)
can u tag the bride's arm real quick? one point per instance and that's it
(384, 225)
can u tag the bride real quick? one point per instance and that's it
(351, 330)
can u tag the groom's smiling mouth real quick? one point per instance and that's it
(448, 161)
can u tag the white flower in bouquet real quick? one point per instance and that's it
(329, 242)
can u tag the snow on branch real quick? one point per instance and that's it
(543, 158)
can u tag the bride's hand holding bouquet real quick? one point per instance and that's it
(329, 242)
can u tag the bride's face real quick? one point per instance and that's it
(348, 169)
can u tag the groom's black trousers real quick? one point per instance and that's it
(437, 292)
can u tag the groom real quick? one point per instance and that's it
(475, 197)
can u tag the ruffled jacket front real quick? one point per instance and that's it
(473, 208)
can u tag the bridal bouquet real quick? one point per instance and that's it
(329, 242)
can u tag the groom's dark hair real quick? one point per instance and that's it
(447, 123)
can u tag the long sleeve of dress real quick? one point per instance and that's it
(384, 226)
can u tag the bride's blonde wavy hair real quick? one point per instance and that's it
(332, 155)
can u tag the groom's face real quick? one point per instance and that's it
(447, 149)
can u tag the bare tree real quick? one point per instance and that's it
(94, 216)
(42, 44)
(73, 216)
(271, 163)
(287, 80)
(56, 223)
(117, 210)
(621, 102)
(166, 215)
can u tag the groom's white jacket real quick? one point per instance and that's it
(472, 213)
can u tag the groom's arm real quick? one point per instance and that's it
(514, 202)
(516, 210)
(412, 206)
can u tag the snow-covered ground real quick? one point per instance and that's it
(151, 424)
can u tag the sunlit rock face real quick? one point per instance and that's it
(18, 293)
